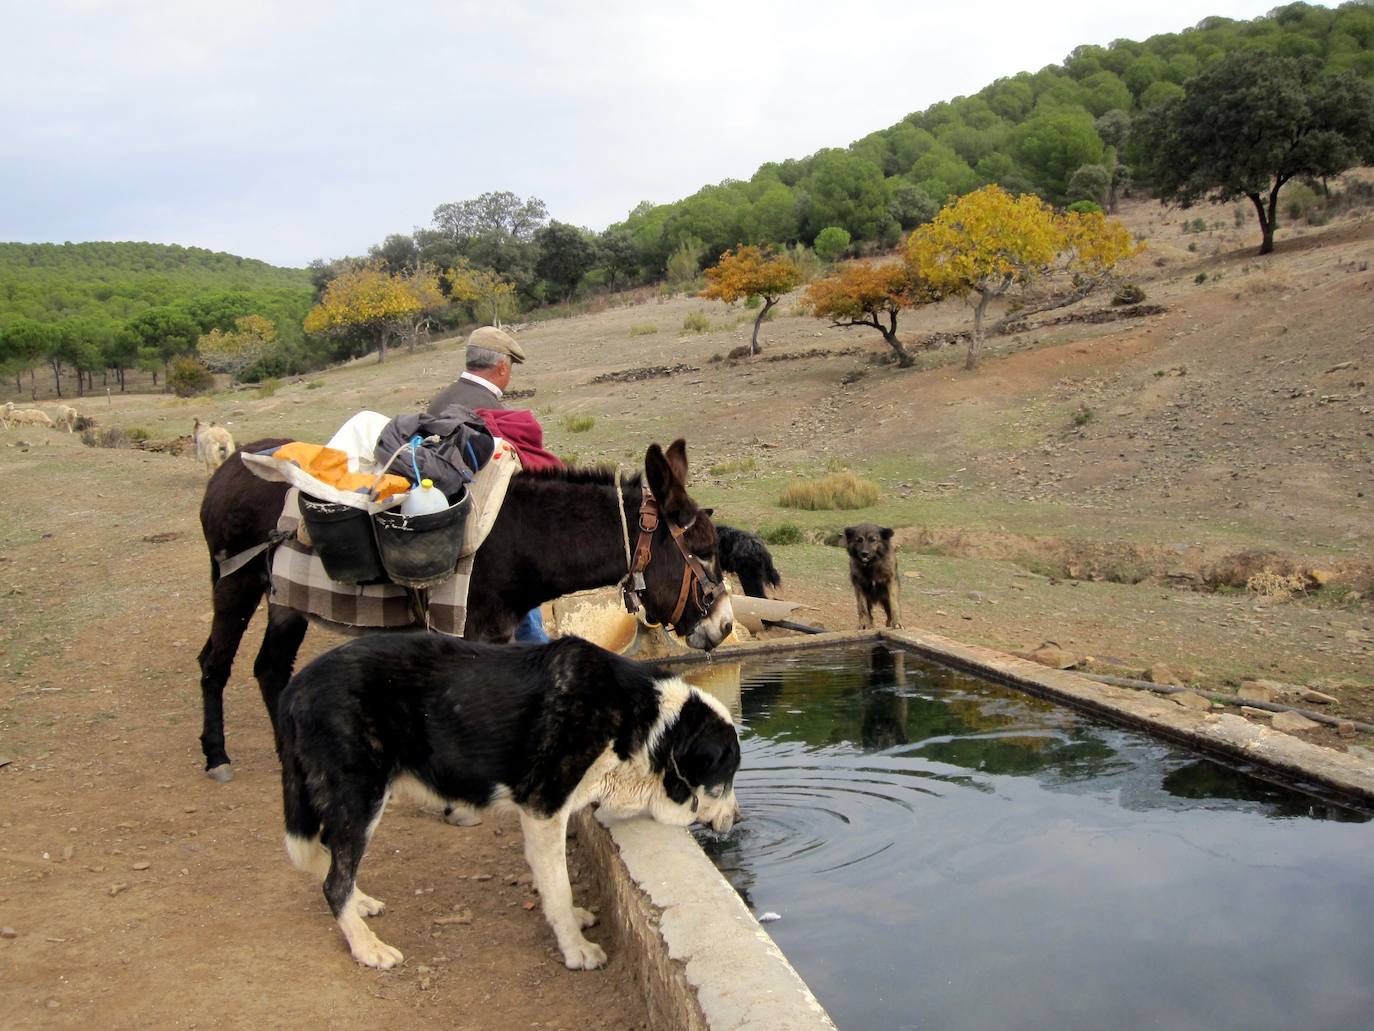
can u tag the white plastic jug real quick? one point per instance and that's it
(423, 500)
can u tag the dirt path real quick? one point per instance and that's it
(143, 894)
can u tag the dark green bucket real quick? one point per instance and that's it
(422, 550)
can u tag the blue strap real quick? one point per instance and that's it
(415, 443)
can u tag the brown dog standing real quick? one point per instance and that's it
(873, 572)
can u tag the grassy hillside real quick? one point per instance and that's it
(52, 282)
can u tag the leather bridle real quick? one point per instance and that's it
(697, 582)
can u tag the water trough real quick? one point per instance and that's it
(706, 963)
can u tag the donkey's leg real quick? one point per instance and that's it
(235, 599)
(277, 656)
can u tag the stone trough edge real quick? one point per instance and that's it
(706, 964)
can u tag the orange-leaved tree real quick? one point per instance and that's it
(750, 272)
(372, 301)
(984, 244)
(865, 294)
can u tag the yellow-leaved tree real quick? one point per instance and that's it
(984, 244)
(239, 348)
(750, 272)
(490, 296)
(865, 294)
(988, 242)
(374, 302)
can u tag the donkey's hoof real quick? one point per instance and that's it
(223, 773)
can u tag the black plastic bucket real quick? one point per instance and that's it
(422, 550)
(342, 536)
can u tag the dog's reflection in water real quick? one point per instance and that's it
(883, 722)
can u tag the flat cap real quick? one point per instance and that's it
(499, 340)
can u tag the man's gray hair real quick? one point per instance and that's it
(484, 358)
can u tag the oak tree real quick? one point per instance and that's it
(1247, 125)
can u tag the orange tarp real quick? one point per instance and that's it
(330, 465)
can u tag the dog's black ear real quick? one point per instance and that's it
(849, 532)
(886, 531)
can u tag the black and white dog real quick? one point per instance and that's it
(744, 553)
(548, 728)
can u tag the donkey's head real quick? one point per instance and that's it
(683, 585)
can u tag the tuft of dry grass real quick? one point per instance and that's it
(1273, 586)
(842, 490)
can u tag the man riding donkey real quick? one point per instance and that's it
(490, 357)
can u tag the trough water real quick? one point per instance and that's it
(945, 852)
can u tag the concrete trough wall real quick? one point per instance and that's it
(705, 963)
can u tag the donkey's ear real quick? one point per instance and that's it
(659, 473)
(708, 512)
(677, 460)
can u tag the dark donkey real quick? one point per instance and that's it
(558, 532)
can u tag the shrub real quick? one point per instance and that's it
(834, 490)
(1128, 293)
(268, 387)
(1085, 207)
(753, 302)
(137, 434)
(314, 384)
(188, 377)
(1082, 415)
(579, 423)
(806, 261)
(684, 265)
(831, 242)
(1200, 278)
(1297, 199)
(696, 322)
(110, 436)
(643, 329)
(783, 533)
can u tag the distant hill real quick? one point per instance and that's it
(52, 282)
(1029, 132)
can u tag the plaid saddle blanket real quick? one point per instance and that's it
(299, 581)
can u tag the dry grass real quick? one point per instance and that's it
(842, 490)
(1268, 281)
(1272, 586)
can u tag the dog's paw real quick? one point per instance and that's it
(367, 905)
(584, 955)
(461, 817)
(376, 953)
(585, 917)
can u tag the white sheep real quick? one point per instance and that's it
(213, 445)
(66, 415)
(25, 416)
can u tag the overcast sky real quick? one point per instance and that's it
(295, 130)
